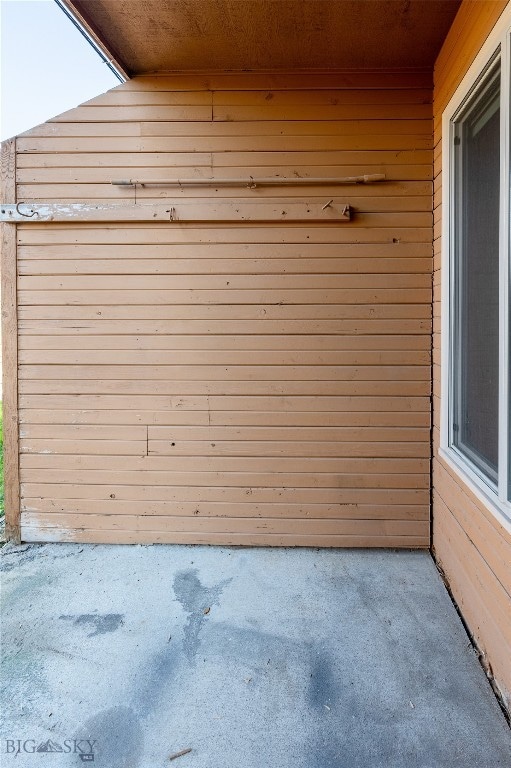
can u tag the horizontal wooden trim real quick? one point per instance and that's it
(274, 494)
(172, 266)
(175, 233)
(228, 406)
(172, 434)
(394, 386)
(270, 510)
(241, 480)
(188, 254)
(354, 328)
(193, 297)
(298, 112)
(269, 311)
(404, 201)
(92, 536)
(365, 466)
(233, 342)
(230, 525)
(379, 110)
(312, 97)
(183, 357)
(252, 128)
(116, 113)
(208, 373)
(261, 448)
(322, 149)
(236, 283)
(123, 97)
(193, 448)
(327, 79)
(331, 211)
(175, 434)
(367, 418)
(104, 193)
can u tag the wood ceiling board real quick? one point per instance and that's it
(186, 35)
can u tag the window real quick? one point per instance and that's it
(475, 363)
(476, 426)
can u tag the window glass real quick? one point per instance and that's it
(476, 278)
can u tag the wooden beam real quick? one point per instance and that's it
(10, 350)
(331, 210)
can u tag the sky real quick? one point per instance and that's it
(47, 67)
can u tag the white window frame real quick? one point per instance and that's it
(497, 500)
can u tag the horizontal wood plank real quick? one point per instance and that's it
(36, 533)
(270, 387)
(364, 467)
(114, 507)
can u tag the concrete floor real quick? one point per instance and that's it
(252, 657)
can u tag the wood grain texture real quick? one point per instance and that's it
(175, 210)
(10, 348)
(230, 382)
(269, 34)
(472, 547)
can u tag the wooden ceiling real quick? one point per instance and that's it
(166, 35)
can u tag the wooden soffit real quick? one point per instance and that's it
(183, 35)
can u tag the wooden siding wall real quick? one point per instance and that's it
(471, 546)
(230, 383)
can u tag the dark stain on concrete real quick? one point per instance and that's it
(323, 689)
(159, 673)
(195, 599)
(118, 736)
(14, 556)
(99, 623)
(329, 755)
(261, 651)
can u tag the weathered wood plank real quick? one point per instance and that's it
(234, 342)
(220, 252)
(365, 418)
(238, 357)
(36, 533)
(219, 464)
(231, 525)
(202, 296)
(227, 81)
(171, 266)
(182, 493)
(230, 404)
(383, 231)
(284, 281)
(10, 348)
(393, 387)
(226, 373)
(280, 510)
(232, 479)
(335, 211)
